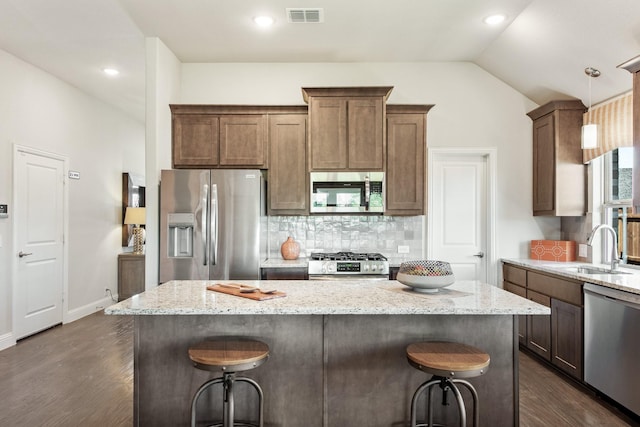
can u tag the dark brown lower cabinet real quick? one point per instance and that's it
(275, 273)
(130, 275)
(539, 328)
(522, 320)
(556, 338)
(566, 327)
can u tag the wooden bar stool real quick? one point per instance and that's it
(448, 363)
(230, 356)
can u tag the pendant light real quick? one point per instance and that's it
(590, 130)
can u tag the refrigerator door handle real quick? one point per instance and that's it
(214, 224)
(204, 197)
(367, 193)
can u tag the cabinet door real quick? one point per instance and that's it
(328, 133)
(566, 331)
(288, 177)
(539, 328)
(365, 125)
(243, 140)
(405, 164)
(195, 141)
(130, 275)
(544, 165)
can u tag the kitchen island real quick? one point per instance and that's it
(337, 348)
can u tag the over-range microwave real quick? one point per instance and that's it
(347, 192)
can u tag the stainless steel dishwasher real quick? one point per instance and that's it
(612, 344)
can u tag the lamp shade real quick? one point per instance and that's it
(589, 136)
(135, 216)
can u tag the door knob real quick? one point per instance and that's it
(479, 254)
(24, 254)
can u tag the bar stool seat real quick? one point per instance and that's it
(229, 355)
(448, 363)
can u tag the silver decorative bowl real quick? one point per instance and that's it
(425, 276)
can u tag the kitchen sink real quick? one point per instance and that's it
(588, 269)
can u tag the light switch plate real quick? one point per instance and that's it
(403, 249)
(582, 250)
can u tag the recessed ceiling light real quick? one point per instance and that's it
(263, 21)
(110, 71)
(494, 19)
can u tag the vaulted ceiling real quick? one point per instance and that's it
(541, 49)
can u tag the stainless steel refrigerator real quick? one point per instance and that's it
(212, 224)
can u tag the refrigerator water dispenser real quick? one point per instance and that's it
(180, 236)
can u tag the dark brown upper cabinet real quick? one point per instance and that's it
(559, 175)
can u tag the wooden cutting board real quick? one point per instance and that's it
(236, 289)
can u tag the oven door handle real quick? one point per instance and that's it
(344, 277)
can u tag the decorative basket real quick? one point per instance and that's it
(425, 276)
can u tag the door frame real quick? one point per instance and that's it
(490, 154)
(17, 149)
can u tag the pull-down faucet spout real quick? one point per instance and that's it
(615, 260)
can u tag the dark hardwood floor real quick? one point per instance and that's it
(81, 374)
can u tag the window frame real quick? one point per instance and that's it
(608, 206)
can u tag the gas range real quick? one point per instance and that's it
(343, 265)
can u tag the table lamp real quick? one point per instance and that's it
(135, 217)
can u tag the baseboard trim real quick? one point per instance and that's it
(7, 341)
(80, 312)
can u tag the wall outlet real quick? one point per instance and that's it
(403, 249)
(582, 250)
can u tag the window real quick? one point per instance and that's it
(617, 206)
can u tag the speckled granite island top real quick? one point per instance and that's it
(327, 297)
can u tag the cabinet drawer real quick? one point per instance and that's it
(539, 298)
(514, 289)
(555, 287)
(275, 273)
(515, 275)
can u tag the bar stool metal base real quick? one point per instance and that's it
(228, 380)
(449, 363)
(446, 384)
(229, 355)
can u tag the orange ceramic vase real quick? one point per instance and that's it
(290, 249)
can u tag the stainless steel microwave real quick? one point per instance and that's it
(347, 192)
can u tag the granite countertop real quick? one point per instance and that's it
(624, 282)
(327, 297)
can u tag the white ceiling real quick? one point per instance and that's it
(541, 49)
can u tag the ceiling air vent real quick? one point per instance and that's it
(305, 16)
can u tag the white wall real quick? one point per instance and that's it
(40, 111)
(163, 83)
(472, 109)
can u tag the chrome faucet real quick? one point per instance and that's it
(615, 260)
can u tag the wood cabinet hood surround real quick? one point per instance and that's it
(347, 128)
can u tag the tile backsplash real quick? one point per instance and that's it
(366, 233)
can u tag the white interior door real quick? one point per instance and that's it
(459, 206)
(39, 232)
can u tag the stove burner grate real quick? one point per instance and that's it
(347, 256)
